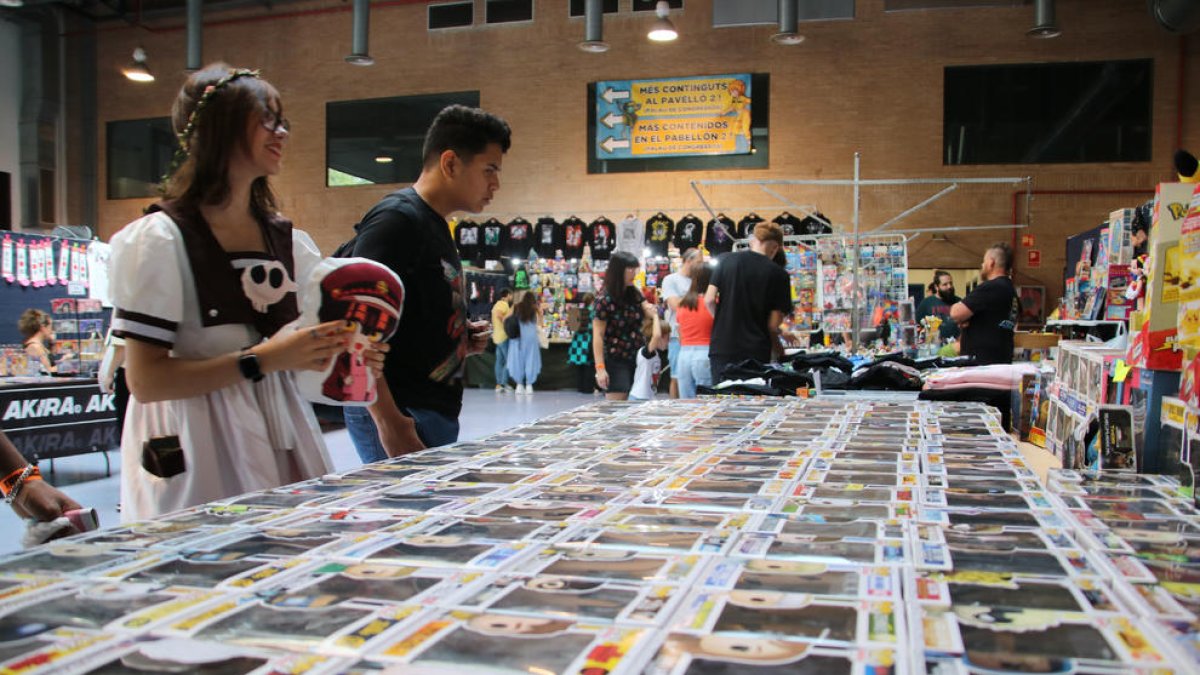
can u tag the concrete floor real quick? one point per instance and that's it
(484, 412)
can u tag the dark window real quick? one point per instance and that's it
(379, 140)
(451, 15)
(139, 153)
(649, 5)
(1042, 113)
(901, 5)
(577, 6)
(508, 11)
(758, 158)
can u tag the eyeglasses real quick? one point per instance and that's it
(273, 123)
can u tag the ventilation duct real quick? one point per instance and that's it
(789, 20)
(359, 53)
(195, 58)
(1177, 16)
(1044, 24)
(593, 31)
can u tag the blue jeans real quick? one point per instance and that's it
(434, 429)
(694, 370)
(673, 356)
(501, 370)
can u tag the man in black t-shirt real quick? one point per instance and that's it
(748, 297)
(988, 315)
(420, 394)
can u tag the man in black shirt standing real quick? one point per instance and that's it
(420, 395)
(988, 315)
(748, 297)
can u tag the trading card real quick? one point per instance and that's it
(175, 655)
(607, 563)
(814, 578)
(491, 529)
(91, 607)
(282, 498)
(269, 543)
(999, 542)
(363, 583)
(682, 654)
(647, 539)
(576, 599)
(344, 522)
(769, 613)
(528, 510)
(433, 551)
(578, 494)
(1021, 563)
(496, 477)
(259, 625)
(416, 502)
(502, 643)
(1040, 644)
(723, 484)
(65, 556)
(201, 573)
(824, 513)
(712, 501)
(650, 516)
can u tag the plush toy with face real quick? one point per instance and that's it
(369, 297)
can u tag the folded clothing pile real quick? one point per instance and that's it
(1005, 376)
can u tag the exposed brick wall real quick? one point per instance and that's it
(871, 85)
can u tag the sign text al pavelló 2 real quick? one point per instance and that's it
(672, 117)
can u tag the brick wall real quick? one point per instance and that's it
(871, 85)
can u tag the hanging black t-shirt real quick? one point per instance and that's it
(492, 239)
(659, 231)
(520, 239)
(466, 235)
(547, 235)
(989, 333)
(574, 230)
(745, 226)
(749, 286)
(689, 231)
(602, 237)
(791, 225)
(718, 240)
(425, 365)
(816, 223)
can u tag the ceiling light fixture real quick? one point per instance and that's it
(789, 21)
(662, 30)
(1045, 26)
(593, 28)
(383, 159)
(137, 70)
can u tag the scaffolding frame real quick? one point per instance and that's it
(949, 185)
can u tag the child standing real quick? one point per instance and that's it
(649, 363)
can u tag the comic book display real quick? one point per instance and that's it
(719, 536)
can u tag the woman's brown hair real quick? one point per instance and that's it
(526, 309)
(219, 129)
(700, 279)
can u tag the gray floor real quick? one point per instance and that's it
(484, 412)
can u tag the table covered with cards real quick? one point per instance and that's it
(721, 536)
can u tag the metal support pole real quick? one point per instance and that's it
(855, 322)
(916, 208)
(195, 59)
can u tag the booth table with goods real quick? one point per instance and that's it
(727, 535)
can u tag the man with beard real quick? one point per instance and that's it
(939, 304)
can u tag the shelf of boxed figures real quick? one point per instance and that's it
(1093, 390)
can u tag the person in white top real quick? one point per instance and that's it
(201, 288)
(674, 287)
(649, 363)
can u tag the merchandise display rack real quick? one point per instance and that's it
(664, 537)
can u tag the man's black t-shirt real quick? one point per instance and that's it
(492, 232)
(659, 231)
(746, 225)
(548, 237)
(749, 287)
(688, 232)
(519, 240)
(989, 334)
(574, 230)
(424, 367)
(790, 224)
(602, 237)
(718, 240)
(466, 235)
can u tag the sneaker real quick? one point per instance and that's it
(501, 389)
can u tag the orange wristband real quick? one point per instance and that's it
(600, 366)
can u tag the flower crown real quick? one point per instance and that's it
(185, 137)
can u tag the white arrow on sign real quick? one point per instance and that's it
(609, 144)
(611, 119)
(611, 94)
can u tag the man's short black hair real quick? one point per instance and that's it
(1002, 253)
(504, 293)
(466, 131)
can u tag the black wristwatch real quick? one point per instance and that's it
(250, 368)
